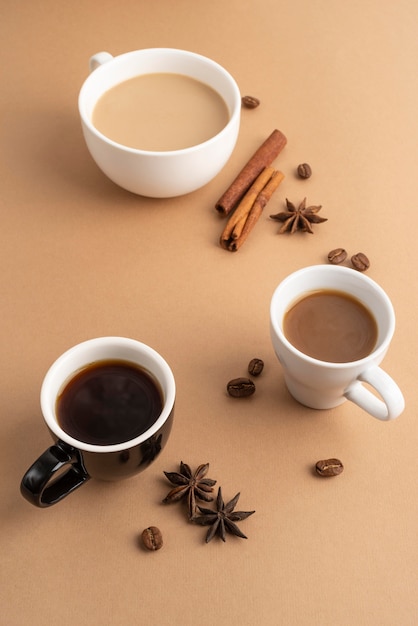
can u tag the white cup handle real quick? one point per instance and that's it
(392, 402)
(98, 59)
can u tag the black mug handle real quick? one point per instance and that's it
(48, 480)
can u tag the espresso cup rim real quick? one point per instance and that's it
(235, 112)
(276, 324)
(48, 405)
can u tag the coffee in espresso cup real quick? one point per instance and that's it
(108, 404)
(331, 328)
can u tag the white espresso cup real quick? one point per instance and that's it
(159, 174)
(324, 385)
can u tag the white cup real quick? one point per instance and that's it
(159, 174)
(322, 385)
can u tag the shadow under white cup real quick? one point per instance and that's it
(323, 385)
(160, 174)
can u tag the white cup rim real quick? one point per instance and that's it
(112, 343)
(276, 323)
(235, 112)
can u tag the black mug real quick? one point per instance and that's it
(71, 461)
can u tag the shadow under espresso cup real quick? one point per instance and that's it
(167, 173)
(323, 385)
(70, 462)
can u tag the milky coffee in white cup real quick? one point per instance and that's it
(320, 384)
(155, 172)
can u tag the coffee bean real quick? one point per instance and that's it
(304, 170)
(240, 387)
(337, 256)
(360, 262)
(329, 467)
(255, 367)
(249, 102)
(152, 538)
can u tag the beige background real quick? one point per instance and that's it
(82, 258)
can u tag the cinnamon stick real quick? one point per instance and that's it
(246, 223)
(257, 210)
(262, 158)
(238, 218)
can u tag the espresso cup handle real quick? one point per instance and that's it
(53, 476)
(390, 405)
(98, 59)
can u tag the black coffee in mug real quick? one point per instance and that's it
(109, 402)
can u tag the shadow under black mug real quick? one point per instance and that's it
(69, 462)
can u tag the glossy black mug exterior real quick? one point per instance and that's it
(69, 463)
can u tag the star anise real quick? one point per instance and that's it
(150, 449)
(299, 218)
(223, 519)
(193, 485)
